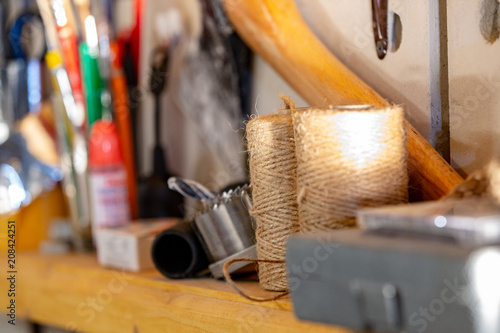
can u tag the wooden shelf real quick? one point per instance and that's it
(74, 292)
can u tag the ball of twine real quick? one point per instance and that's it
(348, 158)
(273, 174)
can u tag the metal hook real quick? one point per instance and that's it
(379, 22)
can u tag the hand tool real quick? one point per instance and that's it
(156, 199)
(123, 122)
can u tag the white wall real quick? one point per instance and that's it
(474, 88)
(411, 75)
(267, 85)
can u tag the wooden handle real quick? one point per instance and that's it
(123, 122)
(276, 31)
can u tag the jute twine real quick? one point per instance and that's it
(273, 174)
(479, 184)
(348, 158)
(482, 183)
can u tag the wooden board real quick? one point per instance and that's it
(33, 221)
(75, 293)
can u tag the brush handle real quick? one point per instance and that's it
(124, 124)
(276, 31)
(68, 41)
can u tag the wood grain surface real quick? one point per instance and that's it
(75, 293)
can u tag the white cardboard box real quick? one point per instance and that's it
(129, 247)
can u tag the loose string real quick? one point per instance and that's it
(233, 284)
(287, 101)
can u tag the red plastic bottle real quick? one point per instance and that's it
(107, 177)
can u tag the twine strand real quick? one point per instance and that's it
(233, 284)
(273, 174)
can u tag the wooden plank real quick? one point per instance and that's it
(33, 221)
(75, 293)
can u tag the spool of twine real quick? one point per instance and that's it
(273, 174)
(348, 158)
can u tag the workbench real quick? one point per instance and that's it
(72, 291)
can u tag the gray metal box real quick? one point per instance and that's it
(394, 283)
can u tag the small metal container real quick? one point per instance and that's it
(226, 230)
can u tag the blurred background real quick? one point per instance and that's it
(176, 83)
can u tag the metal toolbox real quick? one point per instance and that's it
(389, 282)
